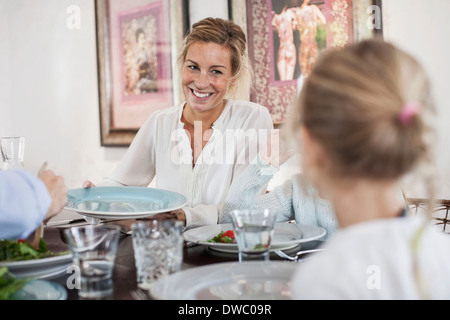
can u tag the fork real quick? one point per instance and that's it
(281, 254)
(39, 232)
(139, 294)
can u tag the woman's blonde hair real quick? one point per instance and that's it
(227, 34)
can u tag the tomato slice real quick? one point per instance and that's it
(229, 234)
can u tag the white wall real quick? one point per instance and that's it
(200, 9)
(49, 93)
(422, 28)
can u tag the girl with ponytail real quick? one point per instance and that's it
(363, 120)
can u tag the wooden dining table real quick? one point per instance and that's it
(124, 274)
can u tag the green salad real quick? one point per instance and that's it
(224, 237)
(9, 284)
(18, 250)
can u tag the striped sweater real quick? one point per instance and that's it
(295, 199)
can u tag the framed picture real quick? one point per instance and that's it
(285, 38)
(138, 42)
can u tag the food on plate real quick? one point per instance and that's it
(18, 250)
(224, 237)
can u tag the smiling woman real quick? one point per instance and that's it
(229, 37)
(206, 77)
(178, 145)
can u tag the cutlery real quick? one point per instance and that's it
(76, 221)
(39, 232)
(139, 294)
(281, 254)
(66, 222)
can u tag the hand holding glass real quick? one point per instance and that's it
(254, 229)
(94, 250)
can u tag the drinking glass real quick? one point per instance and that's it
(94, 249)
(158, 249)
(254, 230)
(12, 150)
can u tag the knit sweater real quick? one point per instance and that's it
(295, 199)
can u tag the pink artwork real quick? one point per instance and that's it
(135, 50)
(142, 57)
(285, 39)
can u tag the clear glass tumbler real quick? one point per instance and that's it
(254, 230)
(94, 249)
(158, 249)
(13, 151)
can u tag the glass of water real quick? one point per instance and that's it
(12, 150)
(158, 249)
(94, 249)
(254, 229)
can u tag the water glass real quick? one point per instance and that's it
(12, 150)
(254, 229)
(94, 249)
(158, 249)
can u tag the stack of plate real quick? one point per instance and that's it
(44, 268)
(121, 203)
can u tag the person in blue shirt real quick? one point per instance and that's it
(26, 201)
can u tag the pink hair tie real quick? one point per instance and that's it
(408, 111)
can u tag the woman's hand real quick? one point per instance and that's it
(173, 215)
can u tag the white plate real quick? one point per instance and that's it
(120, 203)
(41, 290)
(286, 235)
(44, 268)
(255, 280)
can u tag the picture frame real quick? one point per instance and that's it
(138, 43)
(277, 81)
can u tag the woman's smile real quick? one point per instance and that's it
(201, 95)
(206, 76)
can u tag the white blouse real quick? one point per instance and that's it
(162, 150)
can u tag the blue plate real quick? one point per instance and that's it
(123, 202)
